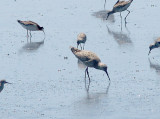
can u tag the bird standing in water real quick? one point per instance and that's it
(156, 44)
(90, 59)
(30, 26)
(81, 38)
(2, 82)
(120, 6)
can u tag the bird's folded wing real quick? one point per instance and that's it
(120, 4)
(85, 56)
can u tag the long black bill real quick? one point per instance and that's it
(107, 75)
(107, 16)
(149, 52)
(44, 33)
(8, 83)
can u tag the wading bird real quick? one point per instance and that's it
(2, 82)
(156, 44)
(30, 26)
(81, 38)
(90, 59)
(120, 6)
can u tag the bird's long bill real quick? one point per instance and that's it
(44, 33)
(107, 75)
(8, 83)
(107, 16)
(149, 52)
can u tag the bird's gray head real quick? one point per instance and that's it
(3, 82)
(103, 67)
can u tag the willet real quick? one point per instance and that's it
(30, 26)
(120, 6)
(2, 82)
(156, 44)
(90, 59)
(81, 38)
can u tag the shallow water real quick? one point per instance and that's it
(48, 81)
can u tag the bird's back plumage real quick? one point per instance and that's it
(89, 58)
(121, 5)
(27, 22)
(29, 25)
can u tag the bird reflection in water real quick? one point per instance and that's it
(93, 102)
(88, 85)
(82, 66)
(104, 4)
(103, 15)
(32, 46)
(97, 96)
(155, 66)
(120, 37)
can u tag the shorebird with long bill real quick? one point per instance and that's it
(120, 6)
(30, 26)
(90, 59)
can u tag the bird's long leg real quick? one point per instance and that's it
(121, 20)
(30, 34)
(87, 88)
(81, 46)
(85, 72)
(27, 34)
(44, 34)
(126, 17)
(121, 16)
(30, 40)
(88, 74)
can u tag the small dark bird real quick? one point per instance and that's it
(120, 6)
(2, 82)
(81, 38)
(156, 44)
(90, 59)
(30, 26)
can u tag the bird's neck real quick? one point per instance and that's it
(111, 12)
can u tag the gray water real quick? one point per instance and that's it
(48, 81)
